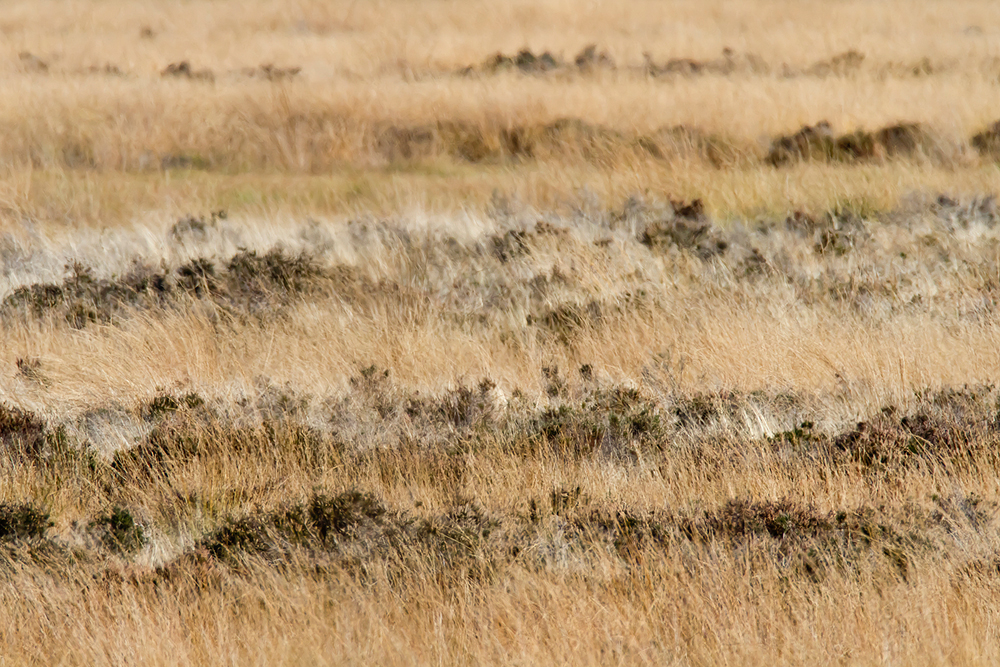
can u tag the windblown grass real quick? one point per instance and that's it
(525, 333)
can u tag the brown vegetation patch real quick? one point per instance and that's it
(510, 245)
(963, 214)
(22, 521)
(108, 69)
(814, 542)
(817, 142)
(31, 370)
(589, 59)
(355, 533)
(835, 232)
(196, 228)
(809, 544)
(730, 63)
(250, 275)
(923, 67)
(323, 523)
(439, 442)
(355, 530)
(812, 142)
(987, 142)
(562, 137)
(464, 141)
(118, 531)
(513, 268)
(318, 141)
(740, 519)
(524, 61)
(184, 70)
(845, 64)
(951, 426)
(182, 161)
(82, 299)
(396, 143)
(31, 63)
(270, 72)
(701, 410)
(248, 282)
(193, 436)
(165, 404)
(22, 433)
(567, 319)
(688, 229)
(841, 64)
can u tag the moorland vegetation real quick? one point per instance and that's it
(471, 333)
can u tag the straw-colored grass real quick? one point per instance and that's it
(387, 362)
(371, 67)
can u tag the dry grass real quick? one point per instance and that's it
(623, 432)
(56, 203)
(372, 71)
(349, 343)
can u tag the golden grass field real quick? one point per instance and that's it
(416, 333)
